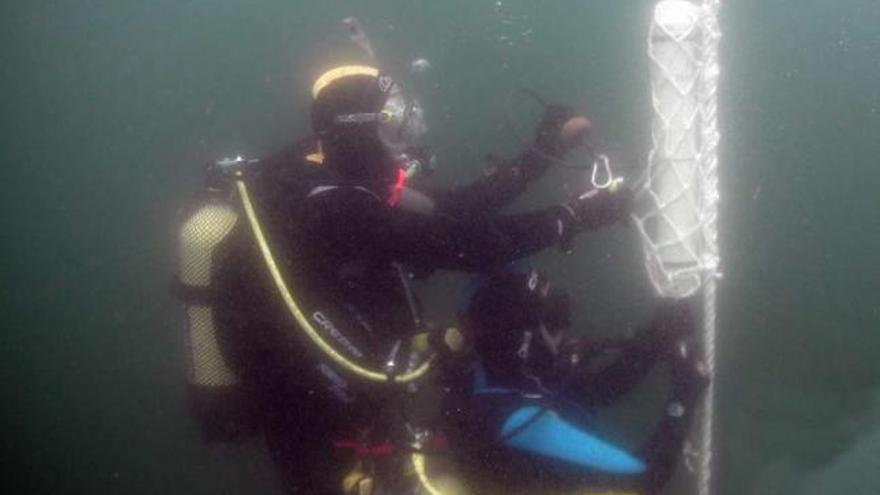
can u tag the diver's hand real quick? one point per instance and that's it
(600, 207)
(593, 210)
(561, 129)
(575, 132)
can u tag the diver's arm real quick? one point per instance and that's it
(351, 223)
(628, 361)
(477, 243)
(559, 130)
(498, 187)
(666, 339)
(664, 448)
(356, 224)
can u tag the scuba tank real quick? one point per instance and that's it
(214, 392)
(222, 218)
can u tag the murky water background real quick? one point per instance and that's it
(108, 108)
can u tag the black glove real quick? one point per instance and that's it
(600, 208)
(547, 136)
(548, 144)
(674, 326)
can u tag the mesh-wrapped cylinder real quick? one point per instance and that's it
(670, 220)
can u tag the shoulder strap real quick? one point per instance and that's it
(318, 190)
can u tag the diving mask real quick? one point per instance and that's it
(404, 123)
(401, 121)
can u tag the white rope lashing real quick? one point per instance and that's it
(711, 197)
(677, 203)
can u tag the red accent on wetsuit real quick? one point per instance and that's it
(363, 450)
(397, 188)
(438, 442)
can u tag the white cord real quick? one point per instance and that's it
(710, 138)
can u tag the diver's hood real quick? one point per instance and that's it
(366, 124)
(517, 319)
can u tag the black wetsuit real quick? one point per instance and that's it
(343, 248)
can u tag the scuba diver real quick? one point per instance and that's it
(301, 323)
(523, 414)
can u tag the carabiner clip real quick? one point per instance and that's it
(603, 158)
(610, 181)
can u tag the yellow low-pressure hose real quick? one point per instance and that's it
(300, 318)
(418, 464)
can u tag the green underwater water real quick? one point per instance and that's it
(107, 109)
